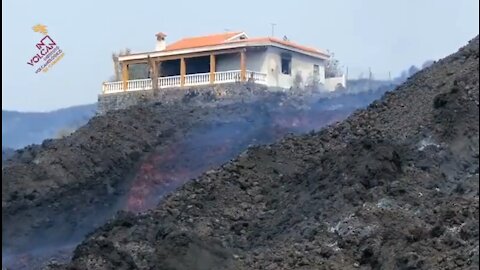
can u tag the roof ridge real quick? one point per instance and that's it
(216, 34)
(294, 43)
(225, 38)
(206, 40)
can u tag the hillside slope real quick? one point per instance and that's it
(24, 128)
(394, 186)
(56, 192)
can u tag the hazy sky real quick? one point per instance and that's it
(384, 35)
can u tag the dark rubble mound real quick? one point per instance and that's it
(45, 186)
(55, 192)
(395, 186)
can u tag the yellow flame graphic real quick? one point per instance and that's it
(40, 28)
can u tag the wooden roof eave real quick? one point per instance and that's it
(142, 58)
(179, 56)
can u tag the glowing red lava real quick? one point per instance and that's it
(175, 164)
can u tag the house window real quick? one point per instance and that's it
(316, 70)
(286, 64)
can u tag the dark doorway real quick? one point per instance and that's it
(194, 65)
(198, 65)
(170, 68)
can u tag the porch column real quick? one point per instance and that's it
(125, 76)
(212, 68)
(158, 68)
(243, 66)
(183, 71)
(154, 77)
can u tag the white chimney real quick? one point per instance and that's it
(161, 44)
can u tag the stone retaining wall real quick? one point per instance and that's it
(197, 94)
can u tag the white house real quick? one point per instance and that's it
(225, 58)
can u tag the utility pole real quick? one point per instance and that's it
(369, 78)
(273, 28)
(389, 76)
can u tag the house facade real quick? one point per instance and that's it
(224, 58)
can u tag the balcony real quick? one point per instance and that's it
(197, 79)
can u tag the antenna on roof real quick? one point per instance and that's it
(273, 28)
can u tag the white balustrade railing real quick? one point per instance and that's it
(230, 76)
(142, 84)
(112, 87)
(227, 76)
(257, 77)
(197, 79)
(170, 81)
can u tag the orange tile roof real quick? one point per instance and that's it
(220, 39)
(194, 42)
(282, 42)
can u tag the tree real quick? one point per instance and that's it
(117, 69)
(332, 68)
(135, 71)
